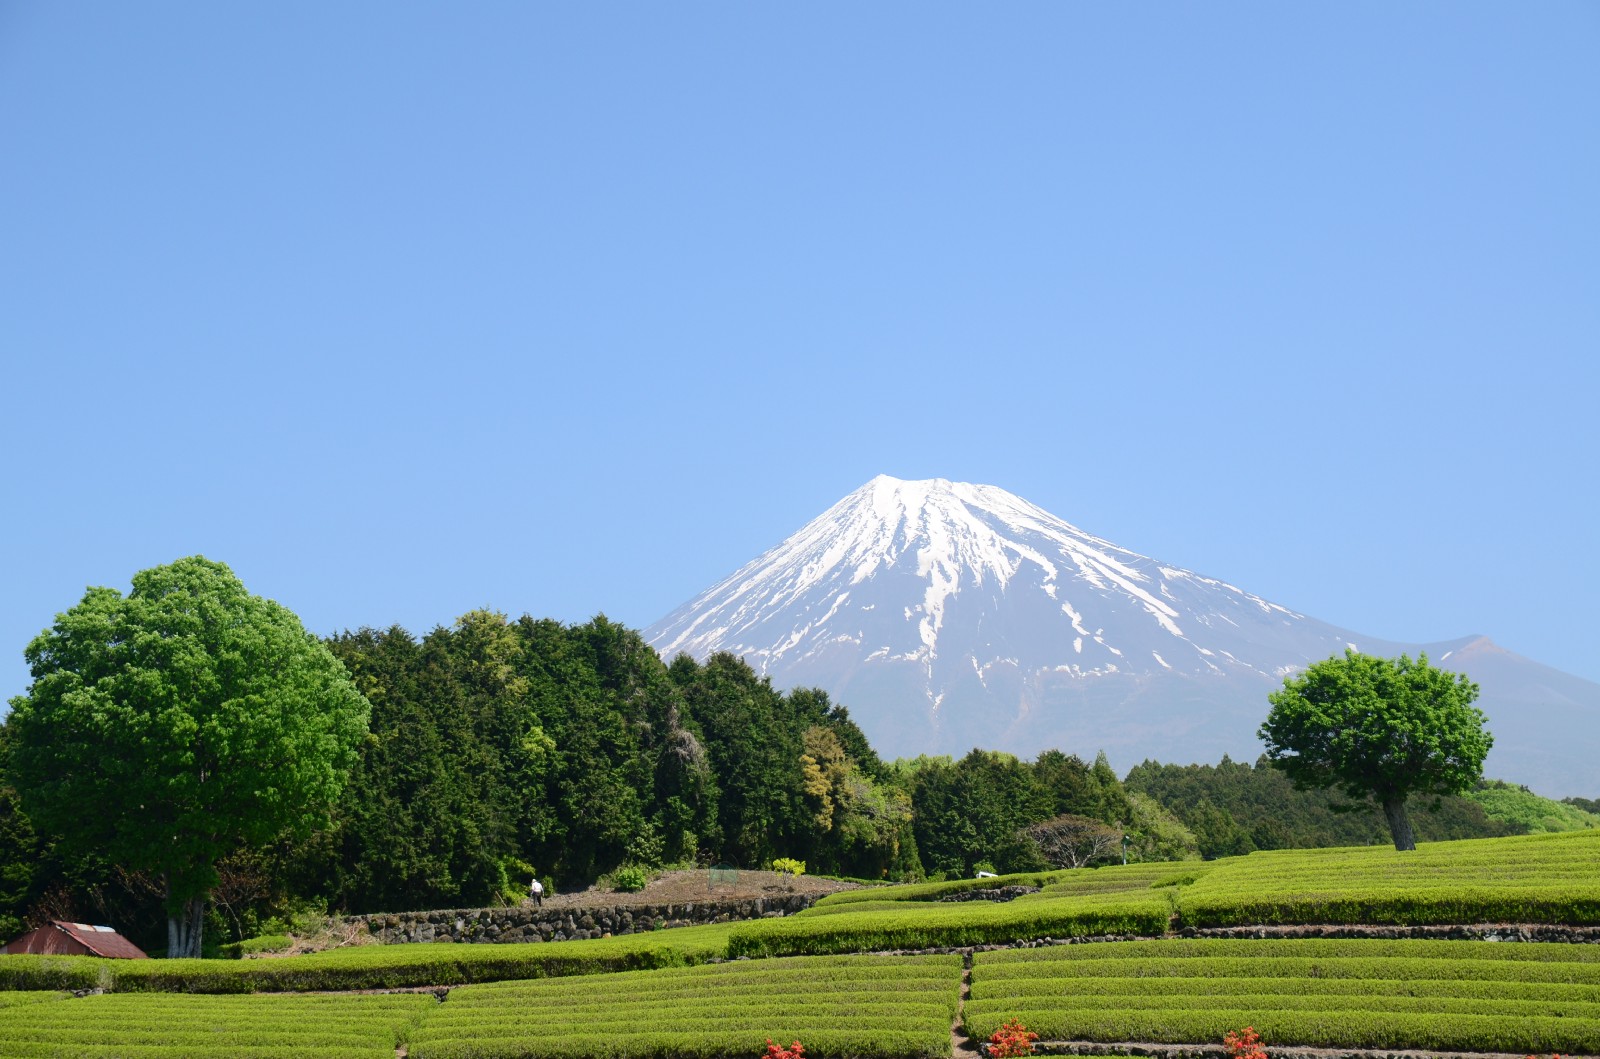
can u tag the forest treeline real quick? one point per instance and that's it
(502, 749)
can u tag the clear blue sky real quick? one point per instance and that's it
(405, 309)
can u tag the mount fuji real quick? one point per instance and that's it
(947, 615)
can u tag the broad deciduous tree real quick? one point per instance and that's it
(1378, 727)
(1071, 841)
(167, 727)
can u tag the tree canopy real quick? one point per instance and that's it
(1382, 728)
(165, 728)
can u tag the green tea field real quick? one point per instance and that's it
(821, 977)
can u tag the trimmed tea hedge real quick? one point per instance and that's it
(1459, 996)
(371, 966)
(872, 1006)
(956, 924)
(212, 1027)
(1526, 879)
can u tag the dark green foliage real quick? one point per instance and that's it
(20, 854)
(498, 744)
(754, 739)
(1234, 808)
(1080, 789)
(571, 749)
(1588, 805)
(974, 810)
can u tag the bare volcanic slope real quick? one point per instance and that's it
(947, 615)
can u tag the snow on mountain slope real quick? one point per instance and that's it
(947, 615)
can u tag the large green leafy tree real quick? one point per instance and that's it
(168, 727)
(1383, 728)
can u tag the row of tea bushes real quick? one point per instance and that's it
(923, 925)
(1455, 996)
(870, 1006)
(212, 1027)
(1438, 995)
(371, 966)
(1548, 879)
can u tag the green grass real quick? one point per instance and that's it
(1461, 996)
(870, 1006)
(213, 1027)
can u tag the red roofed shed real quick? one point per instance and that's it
(61, 938)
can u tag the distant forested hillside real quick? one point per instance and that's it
(1234, 808)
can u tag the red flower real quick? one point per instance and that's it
(1246, 1044)
(1012, 1040)
(777, 1051)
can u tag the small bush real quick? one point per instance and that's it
(789, 865)
(630, 878)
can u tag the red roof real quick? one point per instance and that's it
(66, 938)
(102, 941)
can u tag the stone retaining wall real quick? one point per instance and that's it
(527, 923)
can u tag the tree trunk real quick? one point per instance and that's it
(1399, 823)
(183, 929)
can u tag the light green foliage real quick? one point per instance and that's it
(9, 1000)
(1380, 728)
(167, 727)
(1521, 807)
(872, 1006)
(630, 878)
(1155, 834)
(789, 865)
(1461, 996)
(207, 1027)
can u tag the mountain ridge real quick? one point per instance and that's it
(946, 615)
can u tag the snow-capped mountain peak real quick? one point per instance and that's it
(947, 615)
(897, 564)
